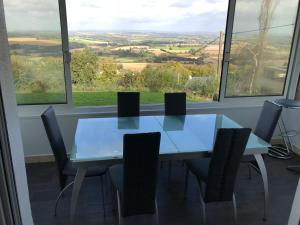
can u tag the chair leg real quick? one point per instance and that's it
(169, 170)
(249, 172)
(113, 197)
(234, 209)
(202, 204)
(102, 195)
(186, 182)
(60, 195)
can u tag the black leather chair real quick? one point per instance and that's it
(218, 173)
(128, 104)
(135, 179)
(64, 165)
(264, 129)
(175, 104)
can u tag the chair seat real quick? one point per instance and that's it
(199, 167)
(70, 170)
(116, 175)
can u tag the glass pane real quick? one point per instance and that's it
(260, 49)
(36, 51)
(151, 46)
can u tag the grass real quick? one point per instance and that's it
(90, 98)
(110, 98)
(40, 98)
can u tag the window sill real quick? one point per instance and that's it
(106, 111)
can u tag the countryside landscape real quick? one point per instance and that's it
(103, 63)
(152, 63)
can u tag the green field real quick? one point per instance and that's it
(89, 98)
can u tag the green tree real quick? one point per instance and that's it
(84, 67)
(108, 69)
(22, 72)
(158, 78)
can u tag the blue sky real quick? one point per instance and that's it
(141, 15)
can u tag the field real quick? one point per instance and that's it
(153, 63)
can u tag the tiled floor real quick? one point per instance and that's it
(43, 187)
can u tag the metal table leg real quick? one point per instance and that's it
(76, 189)
(262, 168)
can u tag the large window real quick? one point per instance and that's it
(36, 51)
(151, 46)
(261, 44)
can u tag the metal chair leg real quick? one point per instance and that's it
(249, 172)
(113, 197)
(169, 170)
(202, 204)
(60, 195)
(102, 193)
(186, 182)
(234, 209)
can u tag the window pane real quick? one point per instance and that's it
(261, 43)
(151, 46)
(36, 51)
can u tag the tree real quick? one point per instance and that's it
(158, 78)
(108, 69)
(264, 20)
(22, 72)
(84, 67)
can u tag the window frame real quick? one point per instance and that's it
(289, 87)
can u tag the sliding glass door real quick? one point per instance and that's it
(262, 38)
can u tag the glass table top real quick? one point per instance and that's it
(102, 138)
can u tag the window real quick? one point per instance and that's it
(36, 51)
(260, 49)
(151, 46)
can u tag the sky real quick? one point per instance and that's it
(141, 15)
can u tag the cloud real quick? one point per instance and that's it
(155, 15)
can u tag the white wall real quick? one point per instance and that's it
(13, 126)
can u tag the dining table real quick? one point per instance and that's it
(99, 141)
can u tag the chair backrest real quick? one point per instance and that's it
(267, 121)
(128, 104)
(175, 104)
(55, 139)
(228, 150)
(140, 158)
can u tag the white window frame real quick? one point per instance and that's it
(290, 86)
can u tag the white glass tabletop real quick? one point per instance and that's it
(102, 138)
